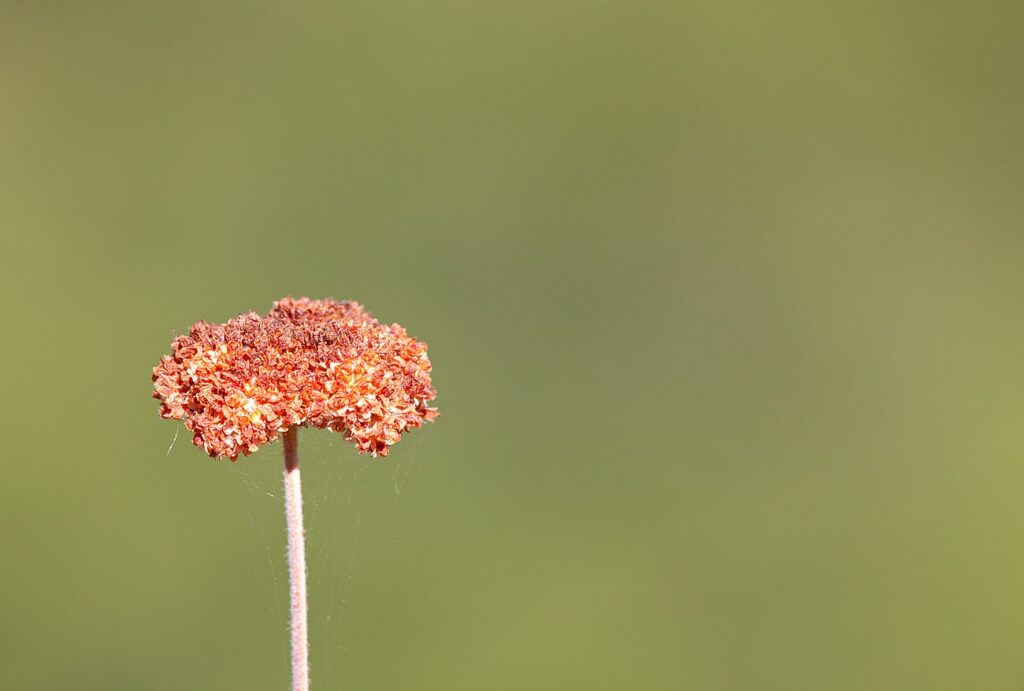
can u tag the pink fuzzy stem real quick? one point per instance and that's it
(296, 561)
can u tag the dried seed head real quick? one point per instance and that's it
(319, 362)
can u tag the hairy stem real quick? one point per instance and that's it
(296, 561)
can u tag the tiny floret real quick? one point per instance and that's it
(307, 362)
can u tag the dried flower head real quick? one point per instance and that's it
(318, 362)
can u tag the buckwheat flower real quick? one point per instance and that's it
(322, 363)
(318, 363)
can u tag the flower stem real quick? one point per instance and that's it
(296, 561)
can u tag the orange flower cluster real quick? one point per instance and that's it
(319, 362)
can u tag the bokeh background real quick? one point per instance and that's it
(724, 302)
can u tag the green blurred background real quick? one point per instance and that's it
(724, 304)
